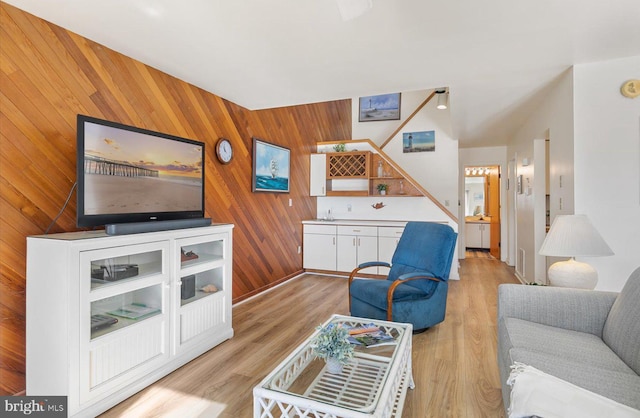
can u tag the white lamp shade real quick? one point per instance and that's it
(350, 9)
(442, 99)
(574, 236)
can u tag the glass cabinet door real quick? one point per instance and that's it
(119, 311)
(126, 285)
(201, 294)
(201, 268)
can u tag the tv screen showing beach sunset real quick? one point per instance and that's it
(132, 172)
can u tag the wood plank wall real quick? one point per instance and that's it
(49, 75)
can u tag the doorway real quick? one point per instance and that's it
(482, 209)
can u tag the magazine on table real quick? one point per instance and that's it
(370, 335)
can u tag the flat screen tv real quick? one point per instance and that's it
(128, 174)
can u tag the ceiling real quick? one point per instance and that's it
(497, 57)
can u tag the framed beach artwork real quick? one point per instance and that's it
(271, 167)
(424, 141)
(380, 107)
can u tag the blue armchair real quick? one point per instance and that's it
(415, 291)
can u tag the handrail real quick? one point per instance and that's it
(414, 182)
(402, 125)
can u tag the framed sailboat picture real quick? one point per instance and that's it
(381, 107)
(271, 167)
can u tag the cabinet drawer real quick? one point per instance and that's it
(390, 231)
(320, 229)
(370, 231)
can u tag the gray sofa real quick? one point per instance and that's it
(585, 337)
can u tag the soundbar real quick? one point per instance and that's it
(153, 226)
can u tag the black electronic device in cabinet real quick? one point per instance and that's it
(188, 288)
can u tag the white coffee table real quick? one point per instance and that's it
(373, 384)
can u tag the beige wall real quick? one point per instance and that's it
(607, 164)
(552, 119)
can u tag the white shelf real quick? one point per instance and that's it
(96, 336)
(124, 286)
(199, 295)
(194, 268)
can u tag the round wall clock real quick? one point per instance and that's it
(224, 151)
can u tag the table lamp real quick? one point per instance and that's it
(573, 236)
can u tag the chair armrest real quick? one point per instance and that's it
(573, 309)
(407, 277)
(416, 275)
(360, 267)
(374, 264)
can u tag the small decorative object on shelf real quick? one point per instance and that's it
(186, 256)
(340, 148)
(382, 188)
(113, 272)
(380, 172)
(209, 289)
(332, 344)
(401, 188)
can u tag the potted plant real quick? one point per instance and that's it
(332, 345)
(382, 188)
(340, 147)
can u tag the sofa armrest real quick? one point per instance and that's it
(572, 309)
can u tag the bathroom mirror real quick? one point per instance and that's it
(474, 192)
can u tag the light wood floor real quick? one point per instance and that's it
(454, 363)
(476, 253)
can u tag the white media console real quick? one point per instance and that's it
(109, 315)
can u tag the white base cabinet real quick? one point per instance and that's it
(356, 245)
(341, 247)
(388, 238)
(109, 315)
(319, 243)
(477, 235)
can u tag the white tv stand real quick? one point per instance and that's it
(136, 279)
